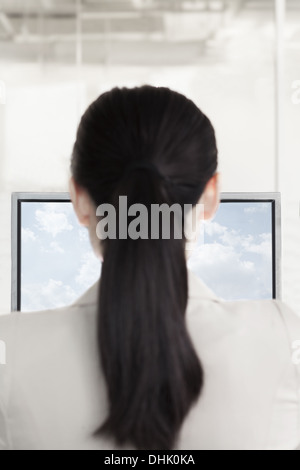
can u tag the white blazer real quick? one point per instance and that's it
(53, 396)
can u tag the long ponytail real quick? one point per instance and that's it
(152, 372)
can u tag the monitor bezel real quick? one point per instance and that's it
(19, 197)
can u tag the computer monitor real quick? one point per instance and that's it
(53, 262)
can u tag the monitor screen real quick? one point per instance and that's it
(53, 263)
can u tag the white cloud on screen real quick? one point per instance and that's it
(226, 264)
(230, 237)
(83, 235)
(47, 295)
(258, 208)
(227, 236)
(217, 256)
(53, 220)
(89, 270)
(54, 248)
(27, 235)
(224, 271)
(263, 247)
(213, 228)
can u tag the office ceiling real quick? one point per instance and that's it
(117, 31)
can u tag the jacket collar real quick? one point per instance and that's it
(90, 297)
(197, 290)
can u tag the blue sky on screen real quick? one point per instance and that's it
(58, 264)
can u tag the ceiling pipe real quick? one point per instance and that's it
(7, 25)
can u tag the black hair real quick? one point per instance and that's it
(152, 372)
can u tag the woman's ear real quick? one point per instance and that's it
(211, 197)
(81, 202)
